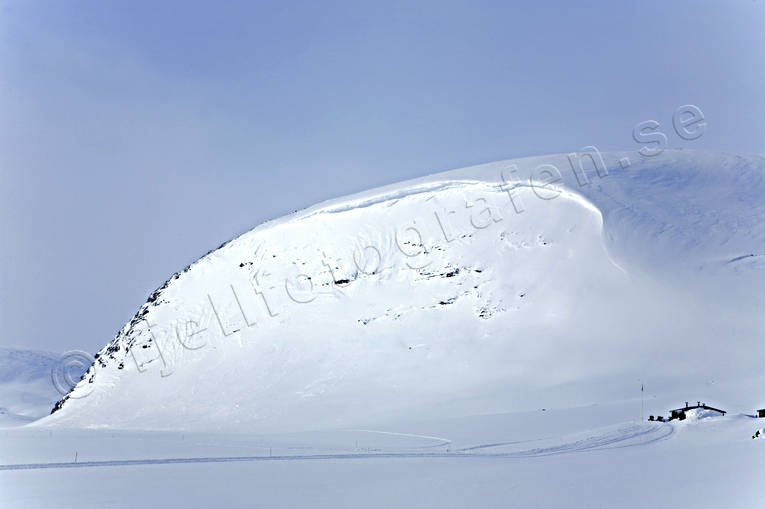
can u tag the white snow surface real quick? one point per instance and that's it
(580, 458)
(473, 338)
(479, 290)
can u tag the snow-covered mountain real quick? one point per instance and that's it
(538, 282)
(27, 390)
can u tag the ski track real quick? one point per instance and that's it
(441, 441)
(612, 440)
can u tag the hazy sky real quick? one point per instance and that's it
(135, 138)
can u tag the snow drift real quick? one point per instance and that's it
(514, 285)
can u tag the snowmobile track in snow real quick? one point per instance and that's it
(624, 436)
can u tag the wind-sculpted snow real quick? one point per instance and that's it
(478, 290)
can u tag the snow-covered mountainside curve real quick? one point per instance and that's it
(27, 389)
(509, 285)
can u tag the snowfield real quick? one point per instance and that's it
(474, 337)
(581, 457)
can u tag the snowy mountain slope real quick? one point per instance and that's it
(26, 389)
(478, 290)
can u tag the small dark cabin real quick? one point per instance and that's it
(761, 412)
(679, 413)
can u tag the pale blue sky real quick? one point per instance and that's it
(135, 136)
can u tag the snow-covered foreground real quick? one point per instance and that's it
(583, 457)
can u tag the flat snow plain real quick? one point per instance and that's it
(582, 457)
